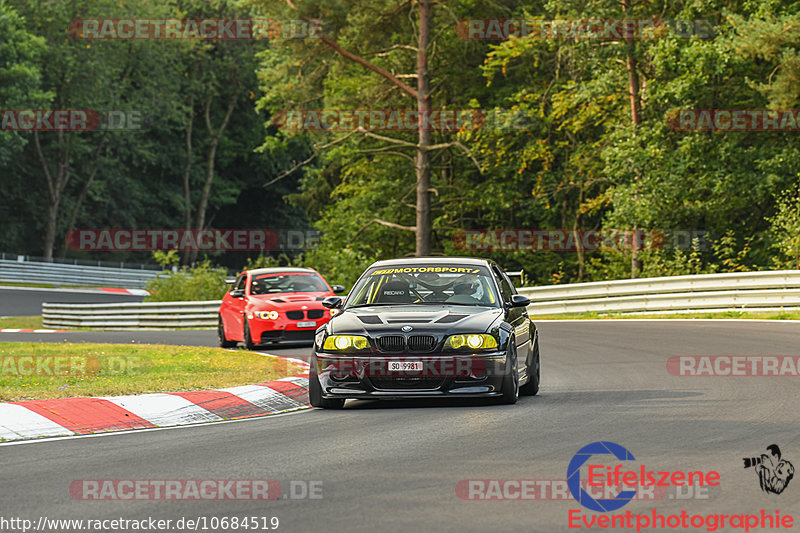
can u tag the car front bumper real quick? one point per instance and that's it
(283, 329)
(450, 375)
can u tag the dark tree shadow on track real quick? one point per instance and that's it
(654, 398)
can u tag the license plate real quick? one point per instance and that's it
(307, 324)
(404, 366)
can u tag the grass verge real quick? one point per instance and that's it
(21, 322)
(31, 370)
(755, 315)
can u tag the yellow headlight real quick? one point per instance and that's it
(345, 342)
(268, 315)
(475, 341)
(456, 341)
(342, 343)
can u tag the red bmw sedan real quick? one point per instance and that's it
(269, 305)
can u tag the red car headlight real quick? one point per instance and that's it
(268, 315)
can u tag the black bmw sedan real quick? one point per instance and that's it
(426, 327)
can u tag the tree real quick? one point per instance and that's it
(385, 62)
(19, 74)
(785, 224)
(98, 76)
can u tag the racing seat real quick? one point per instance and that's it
(462, 293)
(396, 292)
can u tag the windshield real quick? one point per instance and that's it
(425, 284)
(295, 282)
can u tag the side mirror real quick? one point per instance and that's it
(230, 281)
(337, 289)
(332, 302)
(518, 300)
(237, 293)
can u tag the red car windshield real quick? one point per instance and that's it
(272, 283)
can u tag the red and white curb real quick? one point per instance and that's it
(10, 330)
(136, 292)
(82, 416)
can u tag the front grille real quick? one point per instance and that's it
(421, 343)
(392, 343)
(301, 335)
(315, 313)
(294, 315)
(281, 335)
(407, 383)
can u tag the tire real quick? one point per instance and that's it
(248, 341)
(531, 388)
(221, 337)
(315, 395)
(511, 379)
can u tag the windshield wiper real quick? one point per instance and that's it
(378, 303)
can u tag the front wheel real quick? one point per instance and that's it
(248, 340)
(315, 395)
(531, 388)
(511, 377)
(221, 337)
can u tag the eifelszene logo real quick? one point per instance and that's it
(774, 473)
(574, 476)
(599, 475)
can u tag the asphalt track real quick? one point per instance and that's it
(27, 301)
(394, 466)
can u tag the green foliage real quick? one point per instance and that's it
(167, 259)
(20, 74)
(785, 226)
(201, 282)
(578, 162)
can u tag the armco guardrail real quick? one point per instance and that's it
(730, 291)
(65, 274)
(149, 315)
(736, 291)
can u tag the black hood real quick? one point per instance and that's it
(429, 318)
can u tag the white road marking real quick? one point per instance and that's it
(164, 409)
(264, 397)
(132, 431)
(26, 424)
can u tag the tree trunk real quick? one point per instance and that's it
(50, 230)
(633, 91)
(187, 170)
(55, 188)
(81, 197)
(579, 237)
(211, 159)
(423, 170)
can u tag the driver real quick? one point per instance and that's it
(466, 291)
(256, 287)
